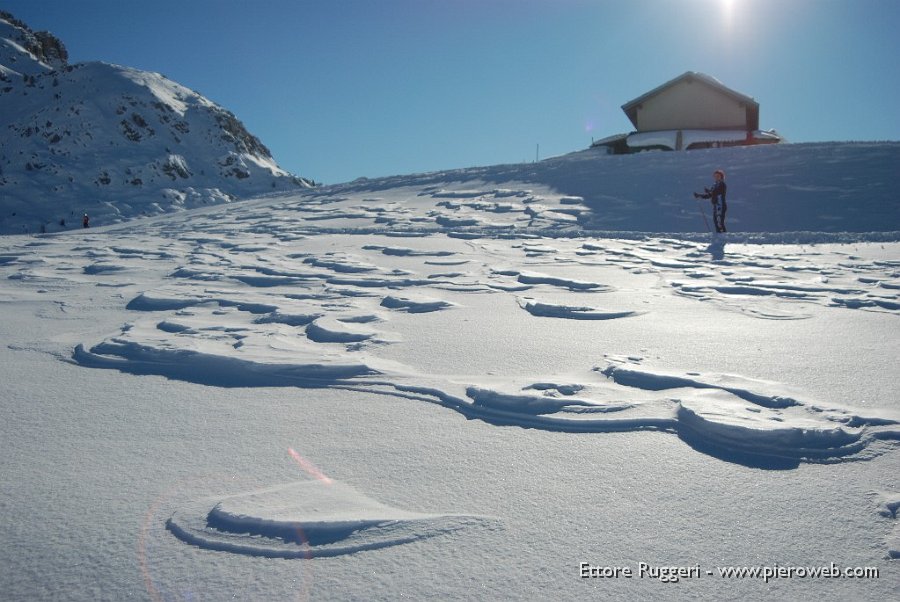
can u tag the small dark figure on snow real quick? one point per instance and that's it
(716, 194)
(86, 221)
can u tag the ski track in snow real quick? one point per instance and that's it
(286, 307)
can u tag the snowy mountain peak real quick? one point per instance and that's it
(27, 52)
(113, 141)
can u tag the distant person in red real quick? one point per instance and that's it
(716, 194)
(86, 221)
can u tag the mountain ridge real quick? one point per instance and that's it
(113, 141)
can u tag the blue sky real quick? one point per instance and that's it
(339, 89)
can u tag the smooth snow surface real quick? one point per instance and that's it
(449, 386)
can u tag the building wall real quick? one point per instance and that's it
(691, 105)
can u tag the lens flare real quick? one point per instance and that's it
(309, 467)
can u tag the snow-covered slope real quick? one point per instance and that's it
(396, 378)
(112, 141)
(832, 187)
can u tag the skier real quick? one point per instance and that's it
(85, 221)
(716, 194)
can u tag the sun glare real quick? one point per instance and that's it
(727, 10)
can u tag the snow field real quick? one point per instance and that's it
(564, 393)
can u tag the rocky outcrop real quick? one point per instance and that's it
(40, 50)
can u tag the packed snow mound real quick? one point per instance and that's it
(304, 520)
(116, 143)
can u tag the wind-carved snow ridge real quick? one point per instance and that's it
(729, 416)
(735, 418)
(755, 282)
(633, 374)
(256, 296)
(754, 421)
(415, 304)
(571, 284)
(306, 519)
(553, 310)
(271, 308)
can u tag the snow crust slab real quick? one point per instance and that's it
(306, 519)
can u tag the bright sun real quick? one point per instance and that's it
(727, 10)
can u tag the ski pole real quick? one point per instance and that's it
(703, 213)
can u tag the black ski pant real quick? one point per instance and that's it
(719, 209)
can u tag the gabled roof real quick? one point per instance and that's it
(631, 106)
